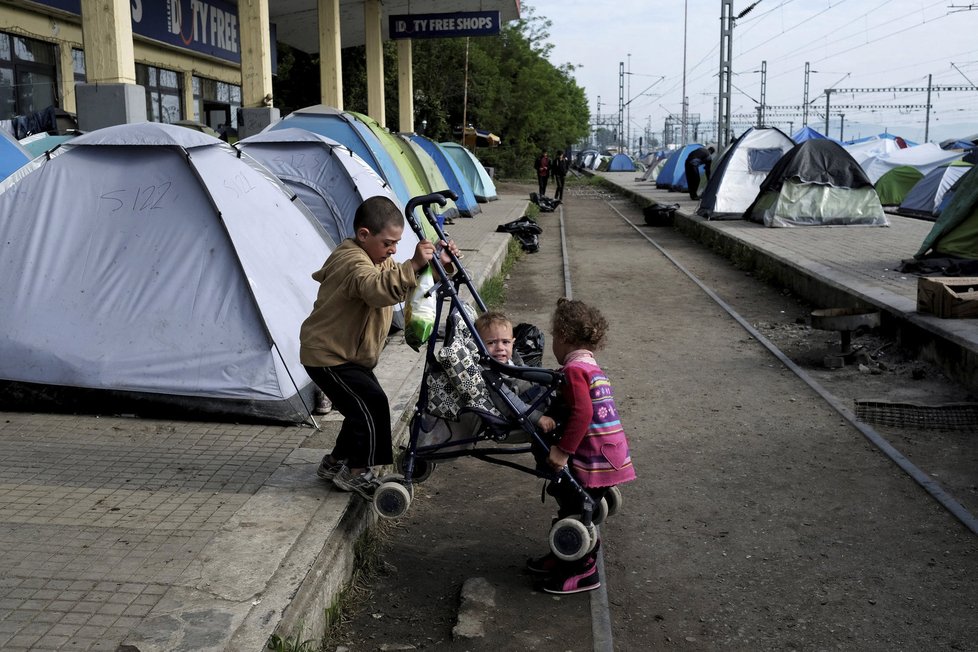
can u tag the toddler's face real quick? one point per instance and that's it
(499, 340)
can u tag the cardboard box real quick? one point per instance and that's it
(948, 297)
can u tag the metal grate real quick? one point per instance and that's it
(945, 416)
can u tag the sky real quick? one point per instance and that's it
(847, 44)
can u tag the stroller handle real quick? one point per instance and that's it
(441, 198)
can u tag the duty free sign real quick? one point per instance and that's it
(448, 25)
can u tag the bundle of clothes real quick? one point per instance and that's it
(546, 204)
(526, 231)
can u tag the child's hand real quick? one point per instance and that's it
(422, 254)
(450, 246)
(547, 424)
(557, 458)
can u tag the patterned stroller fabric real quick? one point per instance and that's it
(459, 383)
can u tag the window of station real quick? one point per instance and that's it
(78, 65)
(28, 76)
(216, 103)
(163, 92)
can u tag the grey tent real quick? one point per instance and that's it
(145, 268)
(330, 179)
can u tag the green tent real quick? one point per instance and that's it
(893, 186)
(955, 233)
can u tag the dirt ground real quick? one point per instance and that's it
(761, 519)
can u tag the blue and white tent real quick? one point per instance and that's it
(621, 162)
(13, 155)
(673, 173)
(457, 183)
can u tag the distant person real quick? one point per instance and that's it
(542, 166)
(342, 338)
(699, 156)
(560, 168)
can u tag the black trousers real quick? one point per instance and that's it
(692, 169)
(543, 185)
(559, 192)
(365, 436)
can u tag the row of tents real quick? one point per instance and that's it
(765, 177)
(153, 269)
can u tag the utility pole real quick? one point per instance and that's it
(621, 102)
(685, 103)
(628, 120)
(930, 85)
(804, 103)
(726, 52)
(842, 125)
(760, 107)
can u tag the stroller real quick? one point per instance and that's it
(467, 406)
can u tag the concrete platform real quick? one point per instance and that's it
(833, 267)
(176, 535)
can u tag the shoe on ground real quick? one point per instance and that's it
(578, 582)
(323, 406)
(327, 470)
(364, 484)
(545, 565)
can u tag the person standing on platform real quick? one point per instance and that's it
(560, 168)
(542, 166)
(699, 156)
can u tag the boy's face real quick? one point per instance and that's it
(380, 246)
(499, 340)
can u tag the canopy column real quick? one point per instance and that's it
(111, 96)
(405, 86)
(374, 43)
(330, 54)
(256, 68)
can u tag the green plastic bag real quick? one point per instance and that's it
(419, 312)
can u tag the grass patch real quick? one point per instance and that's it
(493, 291)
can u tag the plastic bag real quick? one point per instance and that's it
(419, 312)
(529, 344)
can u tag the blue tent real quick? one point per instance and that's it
(621, 163)
(347, 130)
(466, 202)
(474, 172)
(13, 156)
(673, 173)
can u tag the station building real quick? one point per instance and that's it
(209, 61)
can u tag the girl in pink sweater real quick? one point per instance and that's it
(592, 442)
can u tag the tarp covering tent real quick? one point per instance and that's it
(816, 183)
(673, 174)
(453, 175)
(807, 133)
(43, 142)
(346, 129)
(868, 148)
(482, 186)
(737, 175)
(13, 156)
(329, 178)
(955, 233)
(621, 163)
(145, 268)
(924, 200)
(924, 157)
(892, 187)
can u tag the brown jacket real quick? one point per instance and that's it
(352, 314)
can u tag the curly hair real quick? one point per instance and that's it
(579, 324)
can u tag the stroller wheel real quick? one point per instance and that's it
(391, 500)
(570, 539)
(601, 511)
(614, 499)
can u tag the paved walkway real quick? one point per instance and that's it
(176, 535)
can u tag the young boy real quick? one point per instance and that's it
(341, 340)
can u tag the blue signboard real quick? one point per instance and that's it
(459, 23)
(206, 26)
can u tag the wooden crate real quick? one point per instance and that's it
(948, 297)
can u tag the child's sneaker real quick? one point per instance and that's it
(323, 405)
(579, 582)
(327, 470)
(364, 484)
(543, 565)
